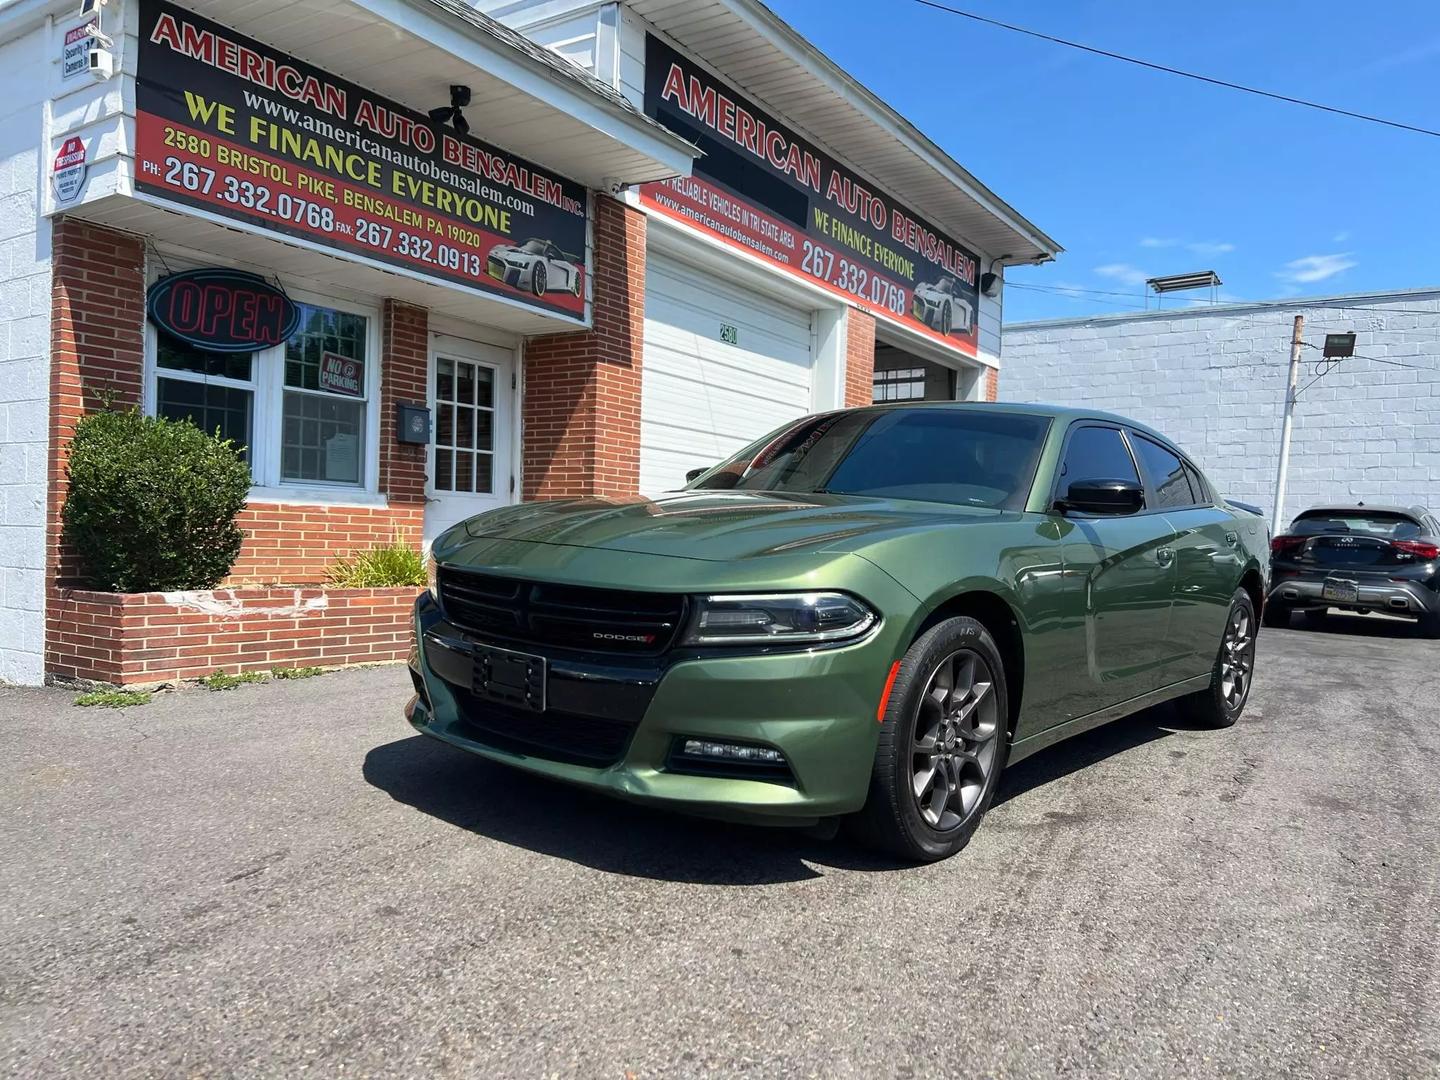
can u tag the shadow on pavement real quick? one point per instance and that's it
(1346, 624)
(554, 819)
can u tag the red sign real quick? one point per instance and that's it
(341, 375)
(223, 310)
(68, 173)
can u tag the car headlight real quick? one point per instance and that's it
(778, 618)
(431, 576)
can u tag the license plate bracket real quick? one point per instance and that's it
(513, 678)
(1340, 591)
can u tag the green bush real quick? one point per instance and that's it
(153, 503)
(388, 566)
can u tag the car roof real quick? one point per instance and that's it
(1065, 413)
(1373, 508)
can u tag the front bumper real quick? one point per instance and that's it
(1412, 598)
(816, 707)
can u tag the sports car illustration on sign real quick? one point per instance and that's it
(537, 266)
(938, 306)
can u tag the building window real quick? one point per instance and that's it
(900, 384)
(303, 413)
(464, 427)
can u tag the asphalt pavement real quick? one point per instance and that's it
(284, 880)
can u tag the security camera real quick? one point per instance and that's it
(91, 7)
(102, 64)
(990, 284)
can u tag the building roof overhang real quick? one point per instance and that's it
(769, 60)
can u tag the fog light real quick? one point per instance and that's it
(724, 751)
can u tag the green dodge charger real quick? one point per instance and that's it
(863, 616)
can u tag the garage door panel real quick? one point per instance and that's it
(702, 398)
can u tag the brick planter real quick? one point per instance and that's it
(130, 638)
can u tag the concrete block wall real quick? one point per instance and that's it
(1213, 380)
(24, 365)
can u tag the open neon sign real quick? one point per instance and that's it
(223, 310)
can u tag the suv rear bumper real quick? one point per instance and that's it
(1391, 597)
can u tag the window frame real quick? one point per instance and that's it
(1151, 482)
(267, 383)
(1140, 475)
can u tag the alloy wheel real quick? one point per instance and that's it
(539, 280)
(1237, 658)
(956, 740)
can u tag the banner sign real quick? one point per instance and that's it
(233, 127)
(764, 188)
(222, 310)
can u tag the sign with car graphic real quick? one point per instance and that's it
(766, 189)
(236, 129)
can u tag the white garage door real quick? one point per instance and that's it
(704, 398)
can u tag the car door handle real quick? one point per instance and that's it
(1164, 556)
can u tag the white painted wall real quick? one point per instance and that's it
(1214, 381)
(24, 356)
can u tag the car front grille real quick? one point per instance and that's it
(553, 735)
(564, 616)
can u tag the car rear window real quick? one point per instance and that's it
(969, 457)
(1378, 523)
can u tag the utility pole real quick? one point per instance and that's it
(1296, 344)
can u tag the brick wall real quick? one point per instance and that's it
(404, 377)
(139, 638)
(298, 545)
(1214, 381)
(992, 384)
(859, 358)
(582, 390)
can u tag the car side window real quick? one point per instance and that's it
(1167, 474)
(1096, 453)
(1197, 484)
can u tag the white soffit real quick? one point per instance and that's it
(763, 56)
(526, 100)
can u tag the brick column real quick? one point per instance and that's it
(992, 384)
(859, 358)
(582, 390)
(97, 349)
(404, 376)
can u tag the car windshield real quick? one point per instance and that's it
(1378, 523)
(969, 457)
(534, 247)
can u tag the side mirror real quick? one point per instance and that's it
(1109, 497)
(695, 474)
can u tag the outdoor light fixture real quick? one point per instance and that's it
(450, 114)
(1339, 346)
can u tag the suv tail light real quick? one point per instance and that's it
(1280, 545)
(1419, 548)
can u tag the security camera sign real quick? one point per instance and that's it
(75, 52)
(68, 173)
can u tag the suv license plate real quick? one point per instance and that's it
(1341, 592)
(510, 677)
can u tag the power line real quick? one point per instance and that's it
(1066, 290)
(1177, 71)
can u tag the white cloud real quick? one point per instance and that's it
(1340, 237)
(1157, 242)
(1123, 272)
(1211, 247)
(1312, 268)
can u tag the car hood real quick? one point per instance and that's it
(721, 526)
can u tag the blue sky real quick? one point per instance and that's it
(1137, 173)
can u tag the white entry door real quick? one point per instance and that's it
(471, 402)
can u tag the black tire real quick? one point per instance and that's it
(1219, 705)
(1315, 617)
(1430, 624)
(945, 319)
(539, 279)
(1277, 615)
(575, 285)
(892, 819)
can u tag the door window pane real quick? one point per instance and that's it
(464, 427)
(1097, 453)
(209, 407)
(1167, 474)
(323, 438)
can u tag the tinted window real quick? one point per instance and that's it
(1167, 474)
(971, 457)
(1360, 522)
(1097, 453)
(1197, 484)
